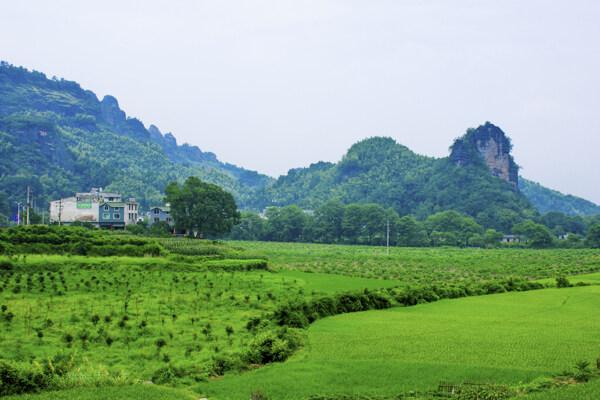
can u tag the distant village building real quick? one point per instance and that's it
(510, 239)
(102, 209)
(160, 213)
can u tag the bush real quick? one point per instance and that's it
(562, 282)
(225, 362)
(235, 265)
(16, 378)
(273, 345)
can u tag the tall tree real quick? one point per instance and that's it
(593, 236)
(202, 208)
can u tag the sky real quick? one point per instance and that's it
(275, 85)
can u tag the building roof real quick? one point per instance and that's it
(162, 208)
(113, 204)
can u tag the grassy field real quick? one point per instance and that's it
(166, 319)
(113, 310)
(132, 392)
(427, 265)
(587, 391)
(509, 338)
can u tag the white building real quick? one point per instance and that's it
(84, 207)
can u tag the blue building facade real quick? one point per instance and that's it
(160, 213)
(111, 215)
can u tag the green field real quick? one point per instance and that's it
(427, 265)
(132, 392)
(181, 319)
(509, 338)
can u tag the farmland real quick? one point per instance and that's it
(427, 265)
(198, 310)
(512, 338)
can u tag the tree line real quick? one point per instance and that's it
(368, 224)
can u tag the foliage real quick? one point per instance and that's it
(60, 139)
(390, 353)
(547, 200)
(428, 265)
(562, 282)
(593, 236)
(378, 170)
(43, 239)
(535, 234)
(201, 207)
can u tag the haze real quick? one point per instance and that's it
(276, 85)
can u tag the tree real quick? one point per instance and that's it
(202, 208)
(411, 233)
(284, 224)
(250, 227)
(593, 236)
(492, 237)
(328, 221)
(537, 235)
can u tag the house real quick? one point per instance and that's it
(160, 213)
(117, 214)
(510, 239)
(89, 207)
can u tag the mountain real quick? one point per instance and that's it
(58, 139)
(478, 179)
(551, 200)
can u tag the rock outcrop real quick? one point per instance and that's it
(489, 144)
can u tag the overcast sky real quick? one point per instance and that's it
(274, 85)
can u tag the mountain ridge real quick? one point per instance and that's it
(60, 138)
(60, 120)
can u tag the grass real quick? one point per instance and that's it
(586, 391)
(592, 279)
(331, 283)
(136, 301)
(509, 338)
(427, 265)
(133, 392)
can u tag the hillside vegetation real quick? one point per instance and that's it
(381, 171)
(60, 139)
(551, 200)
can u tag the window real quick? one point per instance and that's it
(156, 219)
(156, 211)
(169, 219)
(106, 207)
(117, 216)
(105, 216)
(166, 212)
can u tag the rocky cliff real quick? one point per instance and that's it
(488, 144)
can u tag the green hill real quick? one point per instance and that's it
(379, 170)
(59, 138)
(550, 200)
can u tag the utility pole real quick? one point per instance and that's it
(388, 238)
(28, 193)
(18, 213)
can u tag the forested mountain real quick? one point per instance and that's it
(59, 138)
(478, 179)
(550, 200)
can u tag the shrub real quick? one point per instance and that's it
(225, 362)
(562, 282)
(17, 378)
(273, 345)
